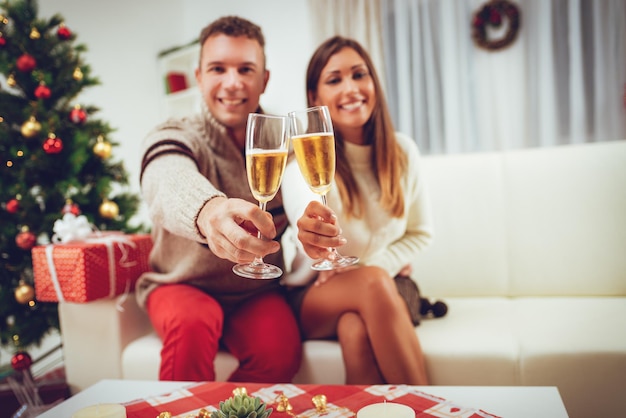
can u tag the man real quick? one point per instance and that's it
(205, 218)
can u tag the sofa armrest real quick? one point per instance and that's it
(94, 335)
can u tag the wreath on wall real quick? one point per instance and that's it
(495, 13)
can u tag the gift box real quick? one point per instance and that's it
(176, 82)
(100, 266)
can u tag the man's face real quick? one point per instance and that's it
(231, 78)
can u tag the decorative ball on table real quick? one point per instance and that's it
(52, 144)
(283, 404)
(25, 239)
(24, 293)
(109, 209)
(30, 128)
(319, 401)
(26, 63)
(21, 361)
(102, 148)
(492, 14)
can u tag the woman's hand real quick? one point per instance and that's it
(318, 230)
(406, 270)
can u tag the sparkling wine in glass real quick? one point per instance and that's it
(313, 140)
(267, 145)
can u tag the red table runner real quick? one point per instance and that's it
(342, 401)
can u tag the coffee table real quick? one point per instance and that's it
(506, 401)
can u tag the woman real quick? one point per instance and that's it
(377, 210)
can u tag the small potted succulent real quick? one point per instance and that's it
(242, 406)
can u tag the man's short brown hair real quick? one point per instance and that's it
(233, 26)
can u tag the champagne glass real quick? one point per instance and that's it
(267, 145)
(313, 140)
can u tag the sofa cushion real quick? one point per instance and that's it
(577, 344)
(474, 344)
(566, 220)
(468, 213)
(142, 357)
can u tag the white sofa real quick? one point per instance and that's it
(529, 254)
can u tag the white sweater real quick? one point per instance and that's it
(376, 238)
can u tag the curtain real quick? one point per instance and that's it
(357, 19)
(562, 81)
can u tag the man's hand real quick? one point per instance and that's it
(318, 230)
(230, 227)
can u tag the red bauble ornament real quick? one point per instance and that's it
(13, 206)
(63, 32)
(3, 40)
(26, 240)
(53, 145)
(71, 207)
(26, 63)
(78, 115)
(43, 92)
(21, 361)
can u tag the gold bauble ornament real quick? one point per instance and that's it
(34, 34)
(30, 128)
(109, 209)
(77, 74)
(24, 293)
(11, 80)
(102, 148)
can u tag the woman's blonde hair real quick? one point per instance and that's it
(388, 159)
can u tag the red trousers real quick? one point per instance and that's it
(261, 333)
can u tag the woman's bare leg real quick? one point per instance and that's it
(371, 293)
(358, 357)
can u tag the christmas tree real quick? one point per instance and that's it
(55, 157)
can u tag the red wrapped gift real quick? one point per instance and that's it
(176, 82)
(101, 266)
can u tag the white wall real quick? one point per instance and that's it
(124, 38)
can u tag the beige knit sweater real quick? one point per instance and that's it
(185, 163)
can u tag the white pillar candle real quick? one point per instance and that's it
(386, 410)
(103, 410)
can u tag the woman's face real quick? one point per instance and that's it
(347, 88)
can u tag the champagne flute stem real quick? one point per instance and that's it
(258, 261)
(332, 251)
